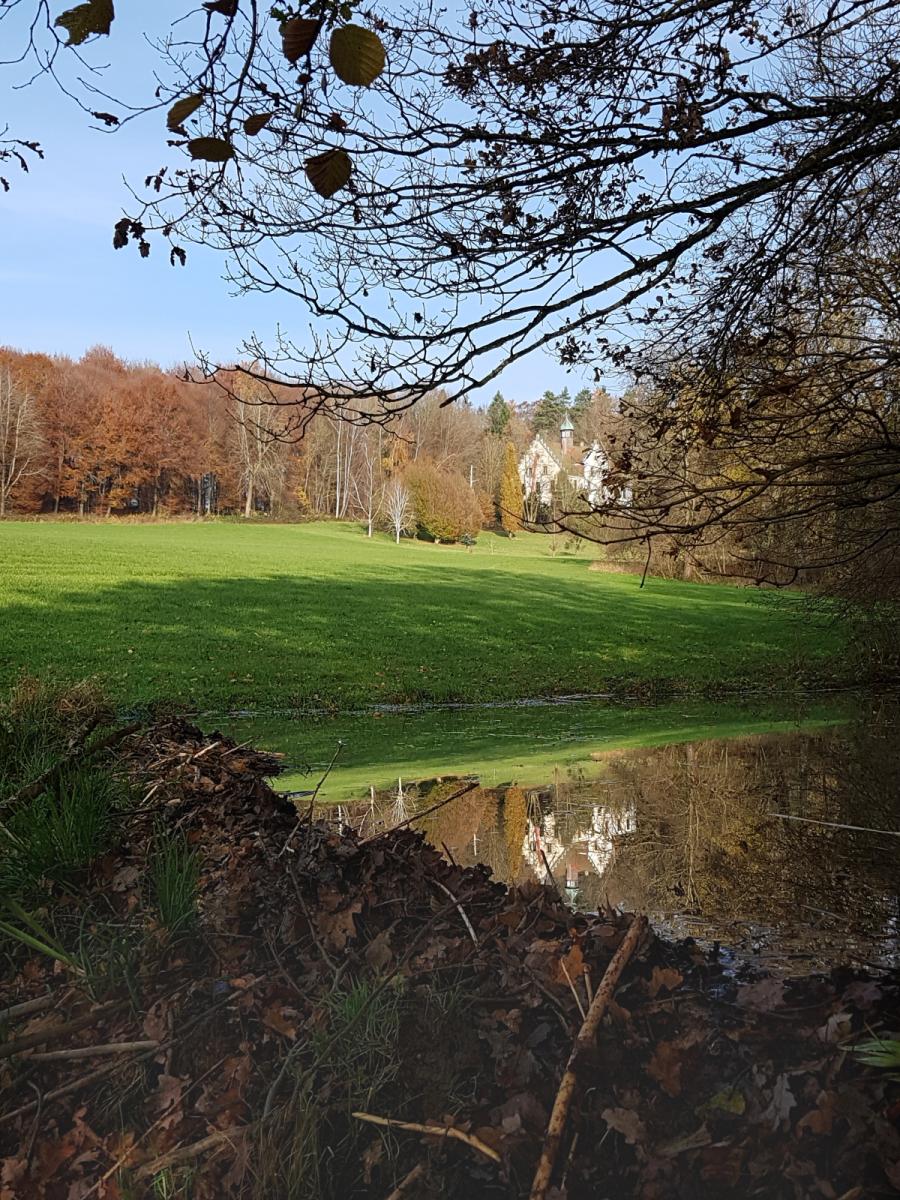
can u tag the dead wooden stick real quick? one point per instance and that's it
(186, 1153)
(418, 816)
(122, 1160)
(406, 1182)
(28, 1040)
(93, 1051)
(587, 984)
(550, 876)
(586, 1034)
(572, 988)
(38, 1004)
(307, 817)
(459, 909)
(439, 1131)
(101, 1072)
(74, 1086)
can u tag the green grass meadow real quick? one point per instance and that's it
(217, 616)
(523, 744)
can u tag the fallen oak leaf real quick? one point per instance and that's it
(663, 977)
(627, 1122)
(778, 1112)
(764, 995)
(378, 951)
(680, 1145)
(665, 1068)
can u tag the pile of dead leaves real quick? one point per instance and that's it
(328, 981)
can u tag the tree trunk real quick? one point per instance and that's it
(60, 463)
(248, 506)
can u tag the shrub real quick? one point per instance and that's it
(445, 505)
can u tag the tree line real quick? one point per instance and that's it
(99, 436)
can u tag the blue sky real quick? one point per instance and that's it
(62, 286)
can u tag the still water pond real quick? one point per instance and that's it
(705, 817)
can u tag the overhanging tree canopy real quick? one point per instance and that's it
(664, 187)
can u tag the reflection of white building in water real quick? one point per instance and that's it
(596, 843)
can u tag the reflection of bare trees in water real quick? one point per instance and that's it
(404, 804)
(688, 829)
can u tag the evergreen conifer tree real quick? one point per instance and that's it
(498, 415)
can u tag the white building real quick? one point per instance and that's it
(545, 459)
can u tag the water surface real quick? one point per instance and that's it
(687, 812)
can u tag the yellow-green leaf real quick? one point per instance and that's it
(211, 149)
(357, 55)
(256, 122)
(329, 172)
(96, 16)
(182, 109)
(298, 35)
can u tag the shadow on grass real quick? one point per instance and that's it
(437, 632)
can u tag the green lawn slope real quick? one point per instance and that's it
(221, 615)
(528, 745)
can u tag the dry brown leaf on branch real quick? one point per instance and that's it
(329, 172)
(357, 55)
(182, 109)
(85, 20)
(298, 35)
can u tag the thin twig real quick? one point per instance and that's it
(123, 1159)
(551, 876)
(200, 753)
(459, 909)
(84, 1080)
(439, 1131)
(93, 1051)
(74, 1085)
(35, 1125)
(586, 1034)
(419, 815)
(239, 746)
(588, 986)
(405, 1183)
(186, 1153)
(572, 988)
(307, 817)
(320, 945)
(357, 1016)
(836, 825)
